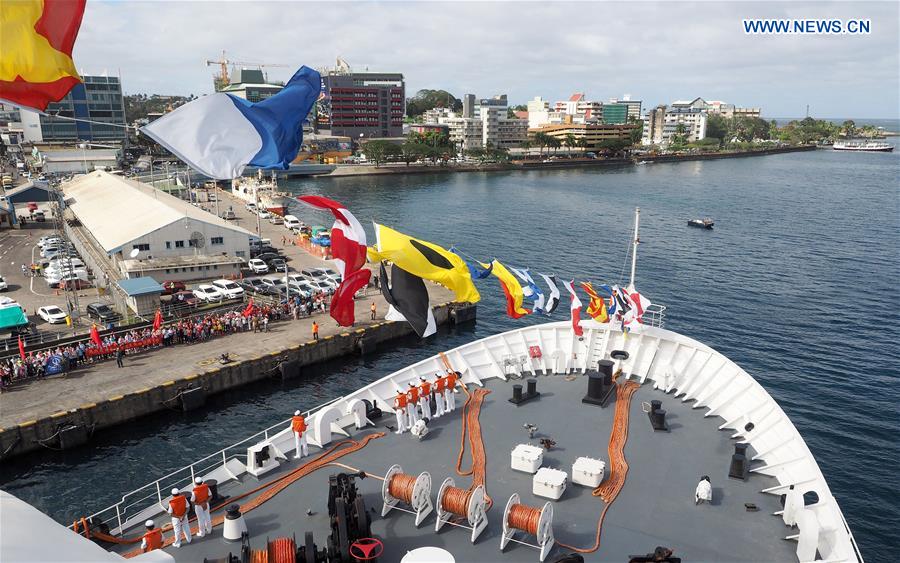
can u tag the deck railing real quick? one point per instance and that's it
(655, 315)
(146, 496)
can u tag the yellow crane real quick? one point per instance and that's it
(223, 79)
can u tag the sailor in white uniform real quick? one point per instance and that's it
(704, 491)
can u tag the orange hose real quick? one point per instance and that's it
(609, 489)
(456, 501)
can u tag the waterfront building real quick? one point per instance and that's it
(717, 107)
(250, 84)
(362, 104)
(97, 100)
(486, 126)
(110, 216)
(580, 108)
(591, 133)
(634, 106)
(614, 114)
(425, 128)
(662, 123)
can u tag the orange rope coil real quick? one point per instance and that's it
(401, 487)
(524, 517)
(283, 550)
(456, 500)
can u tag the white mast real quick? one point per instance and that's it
(635, 242)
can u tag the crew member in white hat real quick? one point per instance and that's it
(298, 425)
(412, 398)
(200, 497)
(153, 538)
(439, 384)
(178, 508)
(425, 398)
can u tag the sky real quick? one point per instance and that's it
(656, 52)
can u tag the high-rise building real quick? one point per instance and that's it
(362, 104)
(717, 107)
(634, 106)
(615, 114)
(662, 123)
(468, 109)
(97, 101)
(486, 126)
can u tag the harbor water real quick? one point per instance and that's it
(797, 283)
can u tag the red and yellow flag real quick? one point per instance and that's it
(36, 40)
(597, 306)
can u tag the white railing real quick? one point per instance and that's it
(154, 492)
(655, 315)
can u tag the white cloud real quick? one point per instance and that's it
(655, 51)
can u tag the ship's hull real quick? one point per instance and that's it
(888, 148)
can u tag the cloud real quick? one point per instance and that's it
(657, 52)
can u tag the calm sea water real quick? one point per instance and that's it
(797, 284)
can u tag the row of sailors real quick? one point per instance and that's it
(178, 510)
(442, 390)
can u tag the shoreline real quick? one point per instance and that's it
(357, 170)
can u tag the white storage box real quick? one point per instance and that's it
(527, 458)
(588, 471)
(549, 483)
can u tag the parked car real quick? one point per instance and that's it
(65, 275)
(48, 240)
(74, 283)
(263, 214)
(3, 285)
(276, 219)
(39, 217)
(257, 285)
(258, 266)
(290, 222)
(102, 312)
(322, 286)
(181, 299)
(267, 256)
(317, 275)
(278, 265)
(171, 286)
(52, 314)
(208, 294)
(330, 274)
(64, 262)
(273, 283)
(229, 289)
(297, 288)
(251, 207)
(229, 215)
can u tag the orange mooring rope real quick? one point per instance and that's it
(609, 489)
(456, 501)
(524, 517)
(283, 550)
(401, 487)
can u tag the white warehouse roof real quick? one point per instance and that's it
(118, 210)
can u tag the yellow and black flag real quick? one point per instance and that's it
(425, 260)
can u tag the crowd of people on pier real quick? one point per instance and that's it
(119, 345)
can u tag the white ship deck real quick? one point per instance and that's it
(709, 401)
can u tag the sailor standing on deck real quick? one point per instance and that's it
(704, 491)
(439, 385)
(400, 403)
(178, 508)
(153, 539)
(425, 398)
(200, 498)
(412, 398)
(298, 426)
(450, 382)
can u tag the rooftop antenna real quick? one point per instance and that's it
(635, 243)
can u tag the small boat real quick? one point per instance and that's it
(706, 223)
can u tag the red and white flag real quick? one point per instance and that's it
(157, 320)
(248, 310)
(95, 336)
(576, 309)
(348, 239)
(639, 305)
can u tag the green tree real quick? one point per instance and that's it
(378, 151)
(679, 139)
(425, 100)
(637, 133)
(554, 143)
(410, 151)
(477, 153)
(848, 128)
(541, 140)
(717, 126)
(569, 141)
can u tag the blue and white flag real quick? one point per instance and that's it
(553, 300)
(218, 135)
(530, 289)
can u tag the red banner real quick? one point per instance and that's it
(112, 348)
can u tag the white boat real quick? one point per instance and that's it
(547, 467)
(863, 146)
(262, 192)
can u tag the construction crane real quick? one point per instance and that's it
(223, 79)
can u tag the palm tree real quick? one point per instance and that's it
(569, 141)
(526, 144)
(541, 140)
(554, 143)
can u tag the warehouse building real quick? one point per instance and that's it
(137, 230)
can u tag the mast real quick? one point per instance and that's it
(635, 243)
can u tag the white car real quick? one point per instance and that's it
(54, 278)
(52, 314)
(321, 286)
(291, 221)
(3, 285)
(208, 294)
(258, 266)
(330, 274)
(229, 289)
(276, 219)
(251, 207)
(263, 214)
(47, 240)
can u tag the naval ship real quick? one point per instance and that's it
(616, 445)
